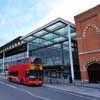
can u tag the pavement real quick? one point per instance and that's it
(13, 91)
(78, 90)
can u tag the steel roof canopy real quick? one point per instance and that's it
(49, 34)
(48, 25)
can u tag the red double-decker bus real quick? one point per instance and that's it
(28, 71)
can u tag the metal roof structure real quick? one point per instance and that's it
(13, 47)
(50, 34)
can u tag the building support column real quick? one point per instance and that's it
(27, 49)
(3, 67)
(70, 53)
(62, 53)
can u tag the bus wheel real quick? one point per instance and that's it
(21, 81)
(10, 79)
(40, 85)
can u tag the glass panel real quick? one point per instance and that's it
(56, 46)
(40, 33)
(73, 33)
(29, 38)
(63, 31)
(50, 36)
(33, 46)
(72, 30)
(53, 27)
(47, 43)
(37, 43)
(59, 39)
(38, 40)
(66, 48)
(66, 43)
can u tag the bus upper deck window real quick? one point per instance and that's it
(37, 61)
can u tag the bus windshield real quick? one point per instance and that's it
(36, 60)
(34, 74)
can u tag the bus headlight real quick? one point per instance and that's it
(32, 67)
(41, 67)
(32, 77)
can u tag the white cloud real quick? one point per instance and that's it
(9, 1)
(44, 5)
(48, 9)
(66, 9)
(2, 22)
(24, 19)
(11, 10)
(1, 19)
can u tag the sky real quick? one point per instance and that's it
(20, 17)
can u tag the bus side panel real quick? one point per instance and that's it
(21, 72)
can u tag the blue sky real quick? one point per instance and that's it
(19, 17)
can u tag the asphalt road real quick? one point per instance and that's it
(13, 91)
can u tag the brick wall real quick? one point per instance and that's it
(88, 35)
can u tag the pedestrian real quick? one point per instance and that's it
(70, 79)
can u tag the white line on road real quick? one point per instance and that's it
(74, 94)
(44, 98)
(28, 92)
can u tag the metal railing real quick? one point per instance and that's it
(59, 79)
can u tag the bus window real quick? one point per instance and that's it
(25, 60)
(19, 62)
(36, 61)
(13, 63)
(33, 74)
(13, 73)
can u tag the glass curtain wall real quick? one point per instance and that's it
(54, 55)
(10, 59)
(53, 47)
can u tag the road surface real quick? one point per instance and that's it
(13, 91)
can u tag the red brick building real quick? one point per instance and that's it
(88, 35)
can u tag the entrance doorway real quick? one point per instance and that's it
(94, 73)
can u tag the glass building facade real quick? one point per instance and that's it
(55, 43)
(9, 60)
(51, 43)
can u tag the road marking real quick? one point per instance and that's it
(26, 91)
(91, 98)
(11, 86)
(44, 98)
(74, 94)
